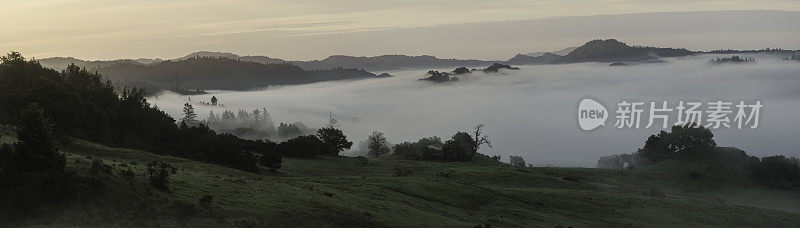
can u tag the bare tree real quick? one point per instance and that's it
(480, 139)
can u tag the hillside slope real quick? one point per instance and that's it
(221, 73)
(343, 191)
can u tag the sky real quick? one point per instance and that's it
(308, 29)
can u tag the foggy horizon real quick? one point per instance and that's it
(530, 112)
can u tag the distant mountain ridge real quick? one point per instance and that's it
(387, 62)
(376, 63)
(60, 63)
(258, 59)
(561, 52)
(206, 73)
(609, 50)
(221, 70)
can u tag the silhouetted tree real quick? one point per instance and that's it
(683, 142)
(189, 116)
(334, 140)
(37, 149)
(377, 144)
(459, 148)
(479, 139)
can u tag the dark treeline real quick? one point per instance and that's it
(461, 147)
(207, 73)
(696, 145)
(795, 57)
(82, 106)
(765, 50)
(732, 59)
(256, 124)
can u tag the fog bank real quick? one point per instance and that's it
(532, 112)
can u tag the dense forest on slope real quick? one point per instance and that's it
(611, 50)
(221, 73)
(84, 106)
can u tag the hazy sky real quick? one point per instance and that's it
(303, 29)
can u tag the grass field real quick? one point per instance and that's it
(345, 191)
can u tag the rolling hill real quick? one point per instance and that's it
(347, 191)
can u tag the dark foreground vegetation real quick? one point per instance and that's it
(696, 145)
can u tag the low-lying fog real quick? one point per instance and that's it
(533, 112)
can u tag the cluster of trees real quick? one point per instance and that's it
(436, 76)
(81, 105)
(255, 124)
(684, 143)
(327, 141)
(732, 59)
(461, 147)
(616, 161)
(692, 143)
(765, 50)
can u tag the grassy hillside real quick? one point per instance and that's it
(340, 191)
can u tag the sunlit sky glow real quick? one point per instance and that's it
(93, 29)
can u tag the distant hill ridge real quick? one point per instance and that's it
(609, 50)
(207, 73)
(221, 70)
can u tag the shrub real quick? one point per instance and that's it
(127, 174)
(516, 161)
(270, 160)
(158, 174)
(98, 167)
